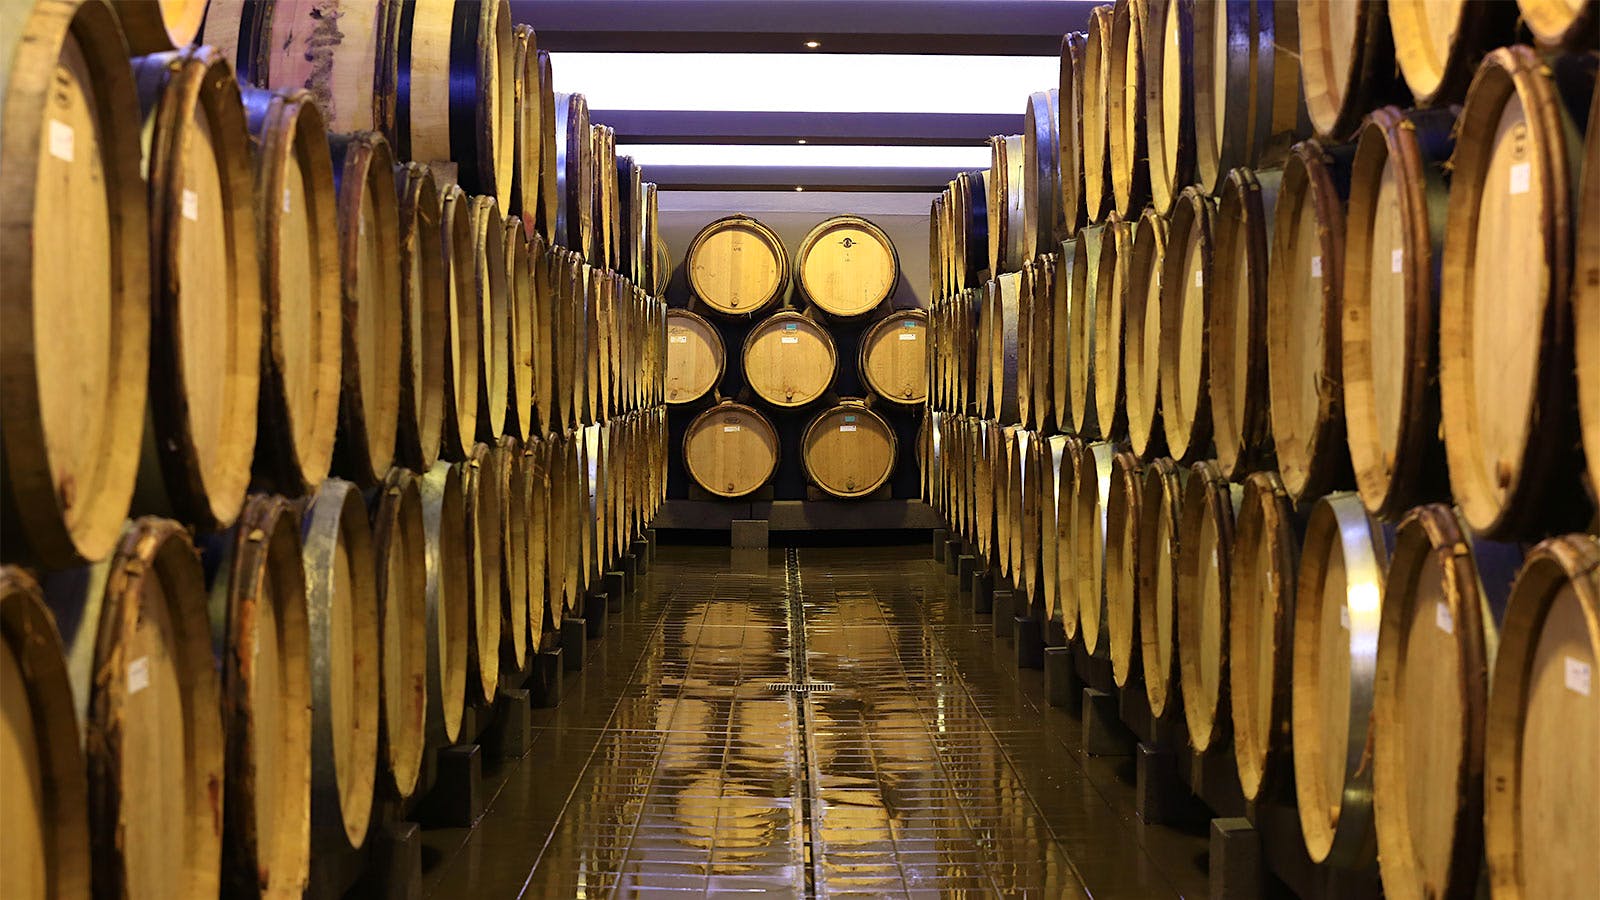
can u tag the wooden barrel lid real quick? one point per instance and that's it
(345, 658)
(1304, 349)
(1083, 287)
(1435, 646)
(1069, 146)
(1143, 335)
(1093, 90)
(515, 608)
(1110, 303)
(1160, 598)
(1348, 65)
(789, 360)
(1188, 284)
(296, 49)
(400, 553)
(1040, 172)
(1125, 105)
(1169, 73)
(847, 266)
(1001, 451)
(1205, 534)
(1060, 346)
(160, 26)
(1586, 300)
(520, 376)
(491, 292)
(1338, 606)
(1123, 584)
(544, 265)
(559, 530)
(1437, 44)
(1248, 104)
(695, 357)
(1041, 342)
(730, 449)
(424, 312)
(1242, 425)
(574, 175)
(46, 797)
(1560, 23)
(1543, 724)
(1092, 491)
(463, 325)
(737, 266)
(1030, 501)
(1503, 366)
(484, 487)
(848, 450)
(444, 519)
(1261, 598)
(1004, 304)
(894, 357)
(1055, 528)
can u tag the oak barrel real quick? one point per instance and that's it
(1338, 605)
(1083, 287)
(840, 279)
(1055, 525)
(1094, 89)
(444, 520)
(425, 311)
(848, 450)
(1505, 356)
(543, 606)
(559, 533)
(789, 360)
(1586, 300)
(1347, 64)
(1144, 320)
(399, 545)
(1169, 75)
(1126, 148)
(1042, 362)
(1188, 289)
(1248, 104)
(1237, 324)
(894, 357)
(515, 502)
(261, 637)
(1063, 413)
(463, 328)
(1005, 203)
(549, 197)
(575, 177)
(527, 126)
(1205, 532)
(1069, 138)
(1091, 497)
(1261, 603)
(296, 219)
(1004, 303)
(737, 266)
(1394, 232)
(492, 294)
(1111, 286)
(1125, 597)
(730, 449)
(46, 802)
(1560, 23)
(1444, 596)
(487, 476)
(520, 376)
(342, 597)
(369, 264)
(696, 359)
(1304, 348)
(1437, 43)
(1542, 803)
(155, 26)
(1041, 173)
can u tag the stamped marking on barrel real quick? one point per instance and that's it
(1579, 676)
(139, 675)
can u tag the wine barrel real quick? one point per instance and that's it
(1393, 237)
(161, 26)
(1347, 64)
(1304, 347)
(260, 635)
(515, 501)
(519, 332)
(1109, 305)
(77, 337)
(463, 326)
(457, 92)
(894, 357)
(1586, 300)
(425, 310)
(1248, 104)
(1042, 363)
(399, 544)
(487, 477)
(696, 359)
(1029, 500)
(560, 537)
(1542, 722)
(1143, 335)
(1001, 449)
(575, 176)
(346, 647)
(1188, 282)
(1337, 609)
(1025, 306)
(444, 519)
(369, 265)
(527, 126)
(970, 220)
(46, 801)
(1560, 24)
(604, 141)
(1442, 599)
(1094, 89)
(1069, 145)
(848, 450)
(737, 266)
(1041, 172)
(1169, 99)
(1125, 601)
(841, 280)
(1005, 203)
(1126, 148)
(549, 194)
(1205, 530)
(492, 294)
(940, 256)
(630, 209)
(1160, 555)
(1505, 351)
(1055, 524)
(1091, 496)
(566, 326)
(543, 605)
(789, 360)
(145, 692)
(1004, 302)
(982, 389)
(206, 298)
(1438, 45)
(730, 449)
(1261, 602)
(592, 500)
(1060, 350)
(1237, 324)
(1083, 287)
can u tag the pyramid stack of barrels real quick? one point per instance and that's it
(372, 392)
(789, 325)
(1266, 369)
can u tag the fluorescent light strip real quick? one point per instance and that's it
(818, 155)
(755, 82)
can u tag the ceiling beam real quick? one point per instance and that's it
(640, 126)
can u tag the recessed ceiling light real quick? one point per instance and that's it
(798, 188)
(801, 141)
(812, 45)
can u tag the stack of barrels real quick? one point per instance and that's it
(362, 413)
(788, 327)
(1270, 376)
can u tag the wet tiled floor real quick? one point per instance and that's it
(932, 768)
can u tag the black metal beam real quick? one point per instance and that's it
(787, 178)
(643, 126)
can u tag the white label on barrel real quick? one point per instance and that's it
(1521, 177)
(1199, 278)
(138, 675)
(286, 196)
(678, 338)
(788, 340)
(191, 205)
(1344, 617)
(1316, 267)
(728, 428)
(847, 428)
(1442, 618)
(1578, 676)
(1397, 260)
(61, 140)
(907, 336)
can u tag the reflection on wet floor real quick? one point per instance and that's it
(932, 768)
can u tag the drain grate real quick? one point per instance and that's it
(790, 687)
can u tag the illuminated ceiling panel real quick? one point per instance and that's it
(757, 155)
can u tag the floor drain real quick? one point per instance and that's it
(789, 687)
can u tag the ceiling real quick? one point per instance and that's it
(811, 94)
